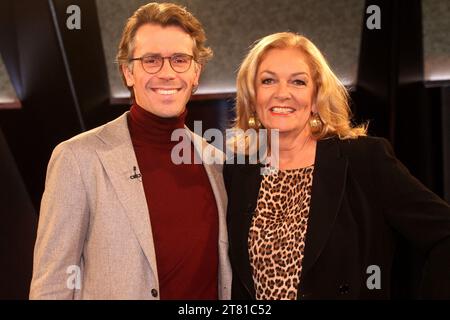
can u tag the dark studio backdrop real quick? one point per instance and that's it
(57, 80)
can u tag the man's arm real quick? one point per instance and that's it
(63, 223)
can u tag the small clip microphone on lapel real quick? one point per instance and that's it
(135, 175)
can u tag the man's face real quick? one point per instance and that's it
(166, 92)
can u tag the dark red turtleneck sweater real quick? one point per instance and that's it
(182, 210)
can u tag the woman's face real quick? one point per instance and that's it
(284, 91)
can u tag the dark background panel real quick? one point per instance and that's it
(444, 99)
(17, 229)
(48, 114)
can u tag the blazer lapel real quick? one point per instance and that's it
(251, 176)
(328, 188)
(118, 161)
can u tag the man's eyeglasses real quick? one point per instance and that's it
(179, 62)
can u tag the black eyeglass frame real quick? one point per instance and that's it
(141, 59)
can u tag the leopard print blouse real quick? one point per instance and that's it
(277, 234)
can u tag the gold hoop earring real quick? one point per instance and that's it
(315, 123)
(253, 122)
(194, 88)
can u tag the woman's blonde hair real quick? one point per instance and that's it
(331, 97)
(164, 14)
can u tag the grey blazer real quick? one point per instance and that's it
(94, 237)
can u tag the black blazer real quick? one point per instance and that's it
(361, 196)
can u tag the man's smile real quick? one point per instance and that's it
(164, 91)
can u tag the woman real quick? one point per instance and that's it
(323, 224)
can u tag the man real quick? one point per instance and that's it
(120, 220)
